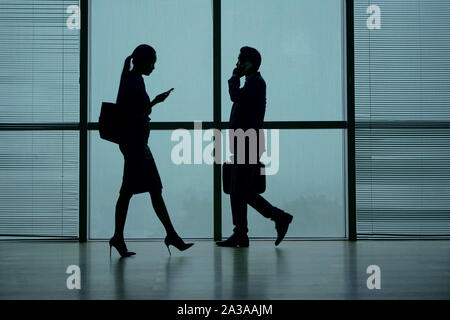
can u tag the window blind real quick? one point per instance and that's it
(402, 110)
(39, 86)
(39, 62)
(39, 183)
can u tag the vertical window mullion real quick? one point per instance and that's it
(217, 115)
(83, 120)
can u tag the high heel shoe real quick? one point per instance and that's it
(120, 247)
(177, 242)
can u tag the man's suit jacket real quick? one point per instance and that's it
(249, 106)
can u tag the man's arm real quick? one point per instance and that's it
(247, 94)
(234, 84)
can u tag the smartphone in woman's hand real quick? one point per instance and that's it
(162, 96)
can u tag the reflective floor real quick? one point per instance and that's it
(294, 270)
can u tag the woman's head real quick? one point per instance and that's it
(144, 58)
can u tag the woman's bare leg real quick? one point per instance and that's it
(161, 212)
(121, 214)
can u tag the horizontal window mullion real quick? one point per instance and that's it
(224, 125)
(39, 126)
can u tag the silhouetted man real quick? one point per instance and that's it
(247, 113)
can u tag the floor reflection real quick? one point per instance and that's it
(240, 273)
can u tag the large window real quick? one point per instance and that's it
(57, 174)
(302, 48)
(39, 103)
(303, 63)
(302, 45)
(56, 171)
(187, 191)
(402, 82)
(309, 184)
(181, 34)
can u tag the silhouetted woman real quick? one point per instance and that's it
(140, 173)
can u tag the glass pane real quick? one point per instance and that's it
(181, 33)
(187, 191)
(403, 182)
(301, 44)
(402, 68)
(39, 183)
(39, 62)
(309, 184)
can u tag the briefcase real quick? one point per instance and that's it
(259, 182)
(109, 122)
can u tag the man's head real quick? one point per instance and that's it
(249, 60)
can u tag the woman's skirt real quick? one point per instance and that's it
(140, 173)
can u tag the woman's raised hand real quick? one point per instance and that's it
(161, 97)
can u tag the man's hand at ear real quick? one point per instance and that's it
(237, 72)
(242, 69)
